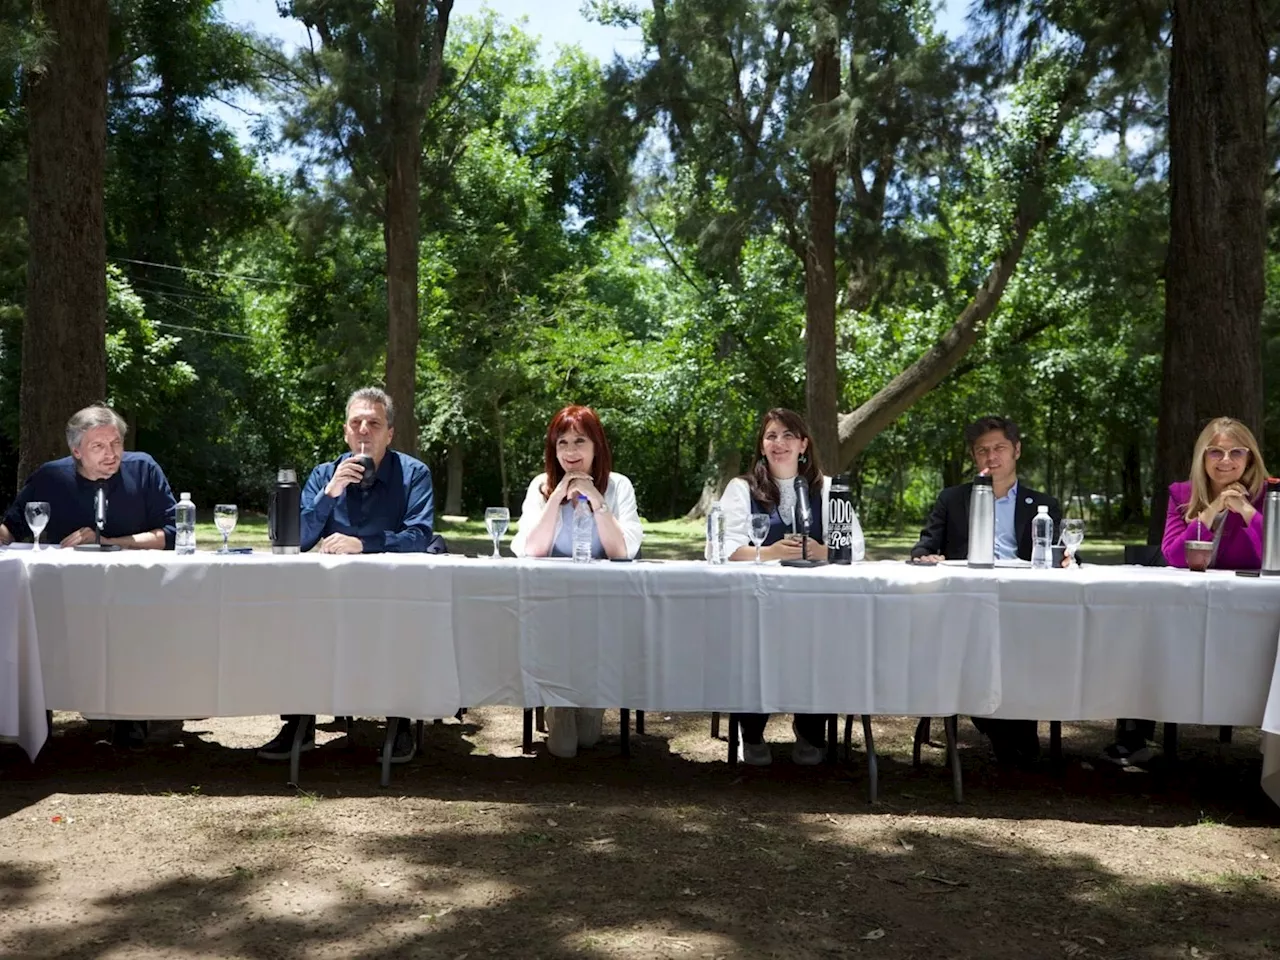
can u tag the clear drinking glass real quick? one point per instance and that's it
(759, 531)
(496, 520)
(1072, 536)
(224, 518)
(37, 515)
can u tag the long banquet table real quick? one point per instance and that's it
(154, 635)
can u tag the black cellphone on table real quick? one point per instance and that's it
(1248, 573)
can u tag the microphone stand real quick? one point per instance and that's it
(805, 515)
(99, 521)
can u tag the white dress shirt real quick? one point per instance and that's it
(619, 496)
(736, 503)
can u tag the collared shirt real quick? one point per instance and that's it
(395, 515)
(138, 500)
(1006, 534)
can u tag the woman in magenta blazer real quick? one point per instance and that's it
(1222, 501)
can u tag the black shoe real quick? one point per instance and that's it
(282, 746)
(405, 747)
(129, 734)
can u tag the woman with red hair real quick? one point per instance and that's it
(578, 463)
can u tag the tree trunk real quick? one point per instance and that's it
(453, 481)
(727, 467)
(64, 351)
(822, 391)
(501, 435)
(411, 96)
(1131, 497)
(1214, 285)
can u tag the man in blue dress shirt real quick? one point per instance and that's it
(393, 513)
(140, 504)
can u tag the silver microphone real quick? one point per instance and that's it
(100, 509)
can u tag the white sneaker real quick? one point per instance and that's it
(562, 731)
(590, 725)
(755, 754)
(804, 753)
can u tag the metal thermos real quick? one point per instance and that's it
(982, 524)
(284, 513)
(840, 521)
(1271, 529)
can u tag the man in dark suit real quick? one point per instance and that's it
(996, 446)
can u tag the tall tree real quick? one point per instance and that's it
(1214, 278)
(64, 364)
(373, 77)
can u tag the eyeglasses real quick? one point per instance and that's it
(1217, 453)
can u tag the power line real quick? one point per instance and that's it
(215, 333)
(210, 273)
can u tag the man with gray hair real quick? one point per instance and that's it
(140, 503)
(370, 500)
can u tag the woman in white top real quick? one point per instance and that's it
(784, 455)
(578, 463)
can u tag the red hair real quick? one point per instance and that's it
(585, 422)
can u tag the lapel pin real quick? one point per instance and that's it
(1028, 500)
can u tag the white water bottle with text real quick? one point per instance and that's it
(184, 519)
(1041, 539)
(584, 525)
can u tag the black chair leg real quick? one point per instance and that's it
(540, 718)
(921, 738)
(640, 722)
(1171, 743)
(848, 737)
(733, 740)
(388, 744)
(833, 752)
(953, 750)
(1055, 741)
(715, 725)
(421, 734)
(1224, 734)
(873, 767)
(624, 716)
(48, 722)
(527, 745)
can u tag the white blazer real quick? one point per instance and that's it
(619, 494)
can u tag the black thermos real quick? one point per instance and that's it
(284, 514)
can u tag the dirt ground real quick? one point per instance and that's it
(196, 849)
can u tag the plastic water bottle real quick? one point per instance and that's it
(715, 534)
(184, 516)
(1041, 539)
(584, 525)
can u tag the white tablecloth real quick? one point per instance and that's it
(22, 710)
(1104, 642)
(154, 635)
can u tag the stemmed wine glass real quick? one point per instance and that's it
(759, 530)
(1072, 536)
(224, 518)
(496, 520)
(37, 514)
